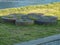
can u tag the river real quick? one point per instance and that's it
(20, 3)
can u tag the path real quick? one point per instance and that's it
(51, 40)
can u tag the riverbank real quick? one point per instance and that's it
(49, 9)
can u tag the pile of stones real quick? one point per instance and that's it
(8, 19)
(24, 22)
(29, 19)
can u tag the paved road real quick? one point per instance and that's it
(56, 42)
(51, 40)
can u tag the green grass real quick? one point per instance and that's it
(10, 33)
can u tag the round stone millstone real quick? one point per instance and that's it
(24, 22)
(47, 20)
(35, 16)
(8, 20)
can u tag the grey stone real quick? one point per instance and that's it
(18, 16)
(47, 20)
(8, 20)
(25, 17)
(24, 22)
(34, 16)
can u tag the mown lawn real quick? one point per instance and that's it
(10, 33)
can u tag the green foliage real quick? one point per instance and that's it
(10, 34)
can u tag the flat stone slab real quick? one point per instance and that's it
(43, 41)
(8, 20)
(24, 22)
(47, 20)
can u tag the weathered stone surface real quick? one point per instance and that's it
(47, 20)
(35, 16)
(25, 17)
(8, 20)
(17, 16)
(24, 22)
(20, 16)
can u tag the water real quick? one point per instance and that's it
(24, 3)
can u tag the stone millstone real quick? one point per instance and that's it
(24, 22)
(8, 20)
(47, 20)
(25, 17)
(35, 16)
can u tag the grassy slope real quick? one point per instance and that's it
(50, 9)
(10, 34)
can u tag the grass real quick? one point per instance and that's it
(10, 33)
(49, 9)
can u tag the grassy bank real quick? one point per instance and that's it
(49, 9)
(10, 34)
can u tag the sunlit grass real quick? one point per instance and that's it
(48, 9)
(10, 34)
